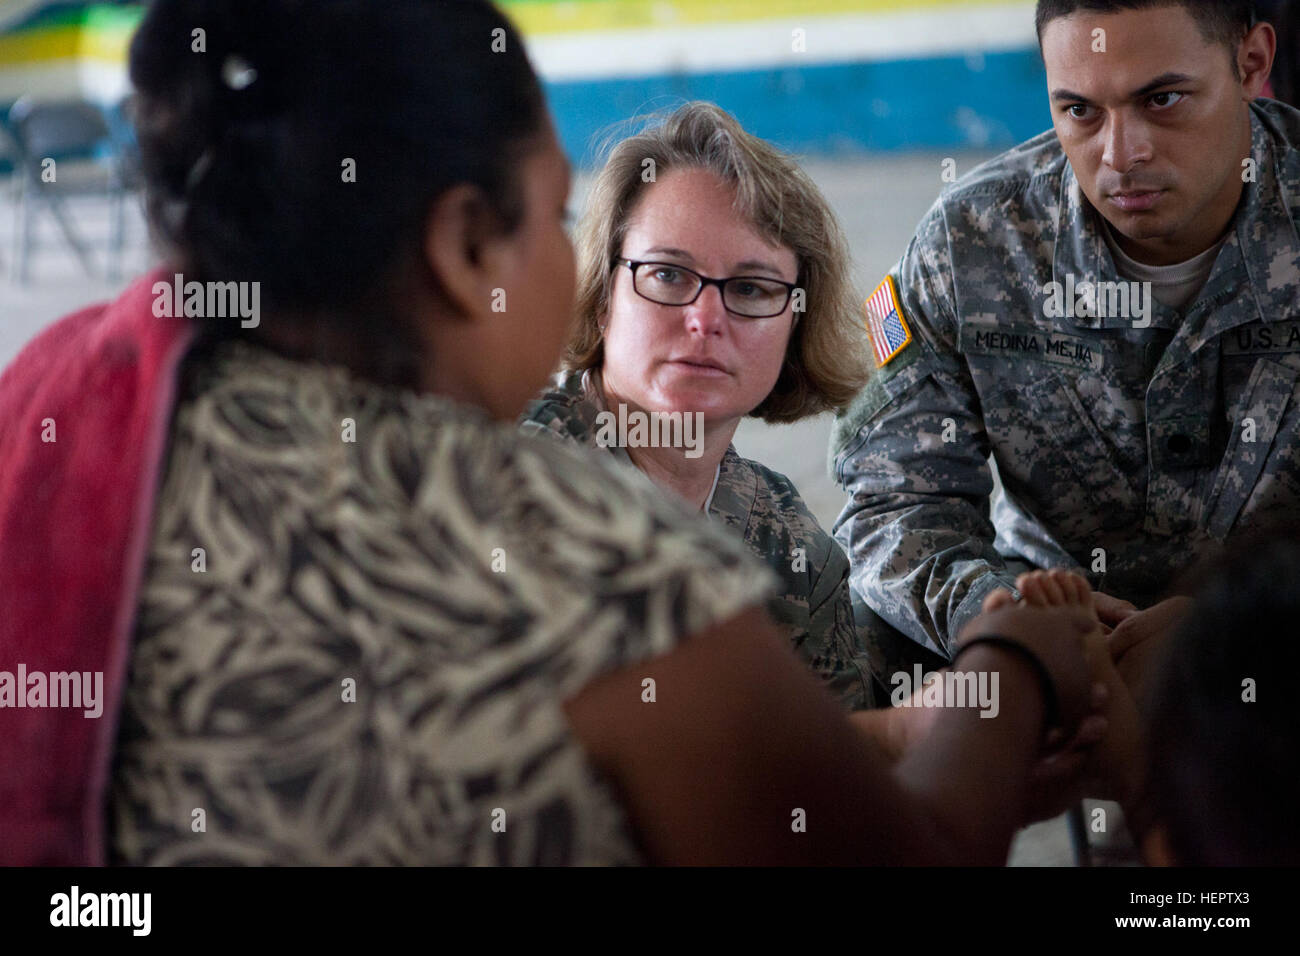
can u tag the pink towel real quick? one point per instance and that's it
(75, 516)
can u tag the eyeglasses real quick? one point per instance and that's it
(752, 297)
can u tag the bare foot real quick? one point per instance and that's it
(1056, 588)
(996, 599)
(1115, 758)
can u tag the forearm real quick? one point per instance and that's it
(705, 780)
(923, 563)
(886, 729)
(943, 757)
(970, 771)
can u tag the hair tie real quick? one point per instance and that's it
(237, 73)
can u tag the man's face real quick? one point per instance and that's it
(1152, 117)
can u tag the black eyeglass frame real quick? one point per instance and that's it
(705, 281)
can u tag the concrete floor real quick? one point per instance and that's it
(880, 201)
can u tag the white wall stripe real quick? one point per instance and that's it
(768, 43)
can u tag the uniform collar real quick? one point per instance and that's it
(1265, 226)
(1262, 250)
(1080, 253)
(735, 492)
(588, 392)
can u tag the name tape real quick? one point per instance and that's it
(1052, 347)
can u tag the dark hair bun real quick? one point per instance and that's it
(249, 113)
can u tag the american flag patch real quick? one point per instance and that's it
(885, 324)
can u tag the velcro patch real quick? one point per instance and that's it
(1262, 339)
(1028, 342)
(885, 323)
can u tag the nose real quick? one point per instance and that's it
(706, 315)
(1127, 142)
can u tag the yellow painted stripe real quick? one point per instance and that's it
(537, 17)
(63, 43)
(109, 43)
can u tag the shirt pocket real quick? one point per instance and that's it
(1254, 427)
(1054, 459)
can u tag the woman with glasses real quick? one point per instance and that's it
(713, 285)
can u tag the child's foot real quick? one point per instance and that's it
(1045, 589)
(1055, 588)
(1114, 757)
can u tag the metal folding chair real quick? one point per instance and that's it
(89, 161)
(10, 175)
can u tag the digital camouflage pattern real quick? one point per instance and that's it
(813, 605)
(1124, 453)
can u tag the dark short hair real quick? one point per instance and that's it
(245, 181)
(1220, 21)
(1221, 769)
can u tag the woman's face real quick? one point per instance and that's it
(698, 357)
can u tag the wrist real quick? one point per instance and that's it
(1022, 696)
(972, 605)
(1009, 654)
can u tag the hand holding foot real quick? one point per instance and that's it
(1115, 761)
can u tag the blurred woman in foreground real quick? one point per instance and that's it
(341, 605)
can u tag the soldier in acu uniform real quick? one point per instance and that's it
(1110, 314)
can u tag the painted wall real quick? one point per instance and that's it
(818, 76)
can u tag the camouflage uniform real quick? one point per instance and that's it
(813, 606)
(1124, 453)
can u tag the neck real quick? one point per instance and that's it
(309, 338)
(389, 355)
(690, 479)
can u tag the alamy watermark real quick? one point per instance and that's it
(946, 689)
(213, 300)
(74, 689)
(637, 429)
(1120, 300)
(75, 908)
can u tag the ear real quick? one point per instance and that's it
(1255, 59)
(463, 248)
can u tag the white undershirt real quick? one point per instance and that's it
(1175, 286)
(708, 502)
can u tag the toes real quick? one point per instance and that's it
(1069, 583)
(996, 599)
(1078, 585)
(1054, 589)
(1030, 586)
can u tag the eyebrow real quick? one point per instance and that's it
(1164, 79)
(747, 264)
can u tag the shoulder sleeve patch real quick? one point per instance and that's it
(885, 323)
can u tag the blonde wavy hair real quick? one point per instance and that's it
(826, 359)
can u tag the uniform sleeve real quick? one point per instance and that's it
(831, 612)
(916, 526)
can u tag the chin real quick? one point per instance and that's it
(1141, 227)
(689, 401)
